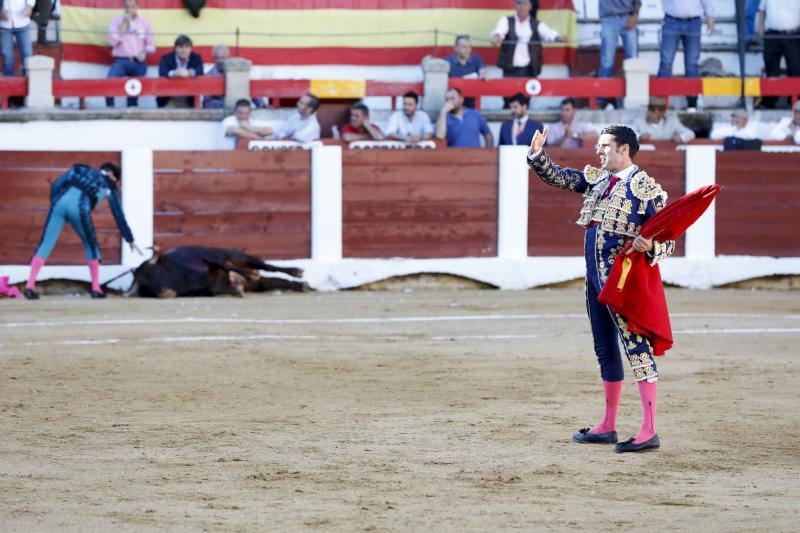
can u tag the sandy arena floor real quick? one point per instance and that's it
(388, 411)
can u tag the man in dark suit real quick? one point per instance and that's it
(180, 63)
(520, 129)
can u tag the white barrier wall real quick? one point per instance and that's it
(511, 269)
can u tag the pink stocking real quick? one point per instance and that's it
(648, 393)
(94, 270)
(613, 391)
(36, 264)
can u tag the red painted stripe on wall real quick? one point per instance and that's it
(316, 56)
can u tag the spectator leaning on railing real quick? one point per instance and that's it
(683, 23)
(410, 125)
(302, 125)
(15, 24)
(131, 38)
(779, 24)
(182, 62)
(740, 127)
(568, 132)
(461, 126)
(659, 126)
(360, 128)
(788, 129)
(238, 126)
(221, 53)
(520, 129)
(520, 38)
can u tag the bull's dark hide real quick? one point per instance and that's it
(201, 271)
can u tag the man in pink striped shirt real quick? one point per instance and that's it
(131, 38)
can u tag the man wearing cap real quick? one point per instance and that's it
(788, 129)
(658, 126)
(618, 198)
(740, 126)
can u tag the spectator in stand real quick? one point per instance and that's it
(360, 128)
(461, 126)
(618, 19)
(779, 24)
(683, 23)
(740, 127)
(465, 64)
(411, 124)
(238, 126)
(658, 126)
(221, 53)
(302, 125)
(15, 24)
(182, 62)
(788, 129)
(520, 129)
(520, 38)
(568, 132)
(131, 38)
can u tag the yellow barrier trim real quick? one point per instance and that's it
(752, 86)
(722, 86)
(339, 88)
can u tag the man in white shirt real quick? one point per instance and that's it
(788, 129)
(238, 126)
(740, 126)
(779, 24)
(302, 125)
(658, 126)
(568, 132)
(519, 38)
(15, 21)
(410, 125)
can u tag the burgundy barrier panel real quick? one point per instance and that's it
(25, 179)
(259, 202)
(552, 212)
(757, 210)
(420, 203)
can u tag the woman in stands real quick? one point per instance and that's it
(72, 198)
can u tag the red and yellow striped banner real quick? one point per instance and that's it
(292, 32)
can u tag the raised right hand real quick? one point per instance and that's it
(539, 138)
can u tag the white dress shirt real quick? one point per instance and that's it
(785, 129)
(686, 9)
(300, 129)
(664, 129)
(749, 132)
(15, 9)
(781, 15)
(518, 126)
(399, 124)
(522, 56)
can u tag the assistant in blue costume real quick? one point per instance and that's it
(72, 198)
(618, 198)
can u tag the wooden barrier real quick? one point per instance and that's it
(757, 210)
(196, 87)
(25, 178)
(420, 203)
(259, 202)
(552, 212)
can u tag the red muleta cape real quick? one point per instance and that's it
(634, 288)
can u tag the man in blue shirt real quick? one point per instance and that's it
(465, 64)
(462, 127)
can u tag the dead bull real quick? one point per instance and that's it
(201, 271)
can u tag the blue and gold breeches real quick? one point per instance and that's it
(71, 207)
(609, 328)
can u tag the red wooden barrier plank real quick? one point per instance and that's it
(676, 86)
(575, 87)
(12, 86)
(199, 86)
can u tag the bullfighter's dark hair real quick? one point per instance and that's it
(111, 168)
(623, 135)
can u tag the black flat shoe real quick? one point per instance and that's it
(30, 294)
(630, 446)
(584, 437)
(97, 294)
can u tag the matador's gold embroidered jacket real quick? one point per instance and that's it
(631, 202)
